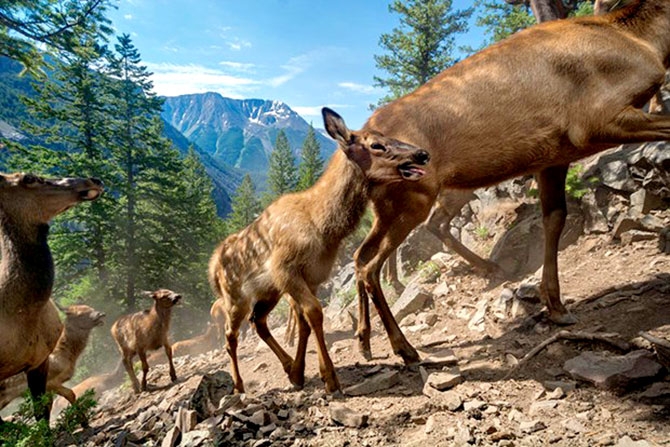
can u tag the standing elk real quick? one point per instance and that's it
(28, 318)
(291, 247)
(143, 331)
(532, 103)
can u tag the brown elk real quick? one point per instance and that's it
(137, 333)
(28, 318)
(533, 103)
(291, 247)
(79, 321)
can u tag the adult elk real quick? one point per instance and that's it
(533, 103)
(291, 247)
(29, 320)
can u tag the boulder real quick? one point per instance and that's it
(207, 396)
(413, 299)
(614, 372)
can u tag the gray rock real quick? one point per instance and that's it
(260, 418)
(551, 385)
(172, 437)
(657, 393)
(643, 201)
(440, 359)
(625, 223)
(626, 441)
(532, 426)
(379, 382)
(448, 400)
(528, 291)
(207, 396)
(444, 380)
(186, 419)
(632, 236)
(413, 299)
(615, 175)
(474, 404)
(346, 416)
(541, 407)
(419, 246)
(194, 438)
(614, 372)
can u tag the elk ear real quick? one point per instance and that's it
(335, 126)
(148, 293)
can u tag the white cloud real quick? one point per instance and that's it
(173, 80)
(358, 88)
(315, 111)
(237, 44)
(293, 68)
(239, 67)
(128, 17)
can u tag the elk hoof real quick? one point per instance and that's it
(409, 356)
(563, 318)
(364, 349)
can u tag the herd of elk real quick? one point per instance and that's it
(291, 247)
(531, 104)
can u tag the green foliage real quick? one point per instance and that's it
(421, 47)
(52, 25)
(575, 186)
(24, 431)
(482, 232)
(311, 164)
(245, 204)
(429, 271)
(583, 9)
(500, 19)
(281, 175)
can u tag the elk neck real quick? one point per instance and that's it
(338, 198)
(27, 268)
(649, 20)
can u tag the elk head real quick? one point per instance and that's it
(164, 298)
(382, 159)
(83, 316)
(35, 200)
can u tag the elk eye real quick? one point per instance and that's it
(377, 146)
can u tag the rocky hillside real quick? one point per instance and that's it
(495, 372)
(239, 133)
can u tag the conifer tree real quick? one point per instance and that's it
(311, 164)
(281, 174)
(421, 47)
(245, 206)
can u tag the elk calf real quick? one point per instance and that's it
(137, 333)
(79, 321)
(291, 247)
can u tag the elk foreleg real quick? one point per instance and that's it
(551, 182)
(633, 126)
(168, 354)
(370, 257)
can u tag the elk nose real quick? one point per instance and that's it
(421, 157)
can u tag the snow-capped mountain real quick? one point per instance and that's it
(239, 132)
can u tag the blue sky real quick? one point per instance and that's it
(306, 53)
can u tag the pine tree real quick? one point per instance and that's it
(51, 25)
(71, 109)
(245, 206)
(145, 158)
(421, 47)
(311, 164)
(281, 174)
(501, 19)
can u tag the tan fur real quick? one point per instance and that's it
(533, 103)
(29, 320)
(200, 344)
(137, 333)
(79, 321)
(290, 248)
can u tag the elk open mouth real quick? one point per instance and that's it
(100, 320)
(175, 299)
(409, 171)
(90, 194)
